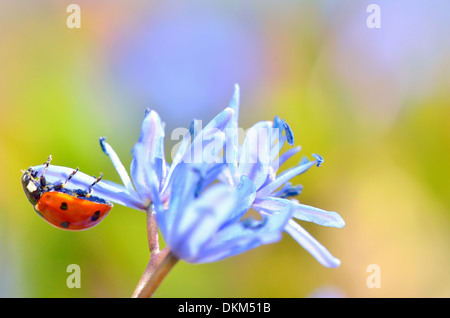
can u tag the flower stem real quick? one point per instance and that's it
(160, 261)
(155, 260)
(152, 232)
(152, 279)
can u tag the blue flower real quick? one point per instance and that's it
(195, 214)
(259, 159)
(208, 225)
(200, 226)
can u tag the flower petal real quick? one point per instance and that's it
(123, 174)
(219, 122)
(235, 104)
(208, 174)
(179, 155)
(309, 243)
(200, 220)
(300, 211)
(254, 160)
(211, 135)
(191, 152)
(245, 195)
(243, 236)
(182, 190)
(144, 173)
(151, 143)
(232, 143)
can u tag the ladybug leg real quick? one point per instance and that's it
(92, 185)
(42, 179)
(70, 177)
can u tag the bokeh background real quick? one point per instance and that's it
(373, 102)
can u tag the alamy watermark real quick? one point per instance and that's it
(374, 279)
(73, 21)
(260, 146)
(74, 279)
(373, 21)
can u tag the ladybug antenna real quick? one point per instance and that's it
(94, 183)
(69, 177)
(42, 179)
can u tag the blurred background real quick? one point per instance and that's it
(374, 102)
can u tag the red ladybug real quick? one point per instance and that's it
(63, 208)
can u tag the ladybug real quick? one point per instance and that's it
(63, 208)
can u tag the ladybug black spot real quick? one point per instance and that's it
(64, 224)
(95, 216)
(63, 206)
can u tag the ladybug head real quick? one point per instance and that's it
(31, 186)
